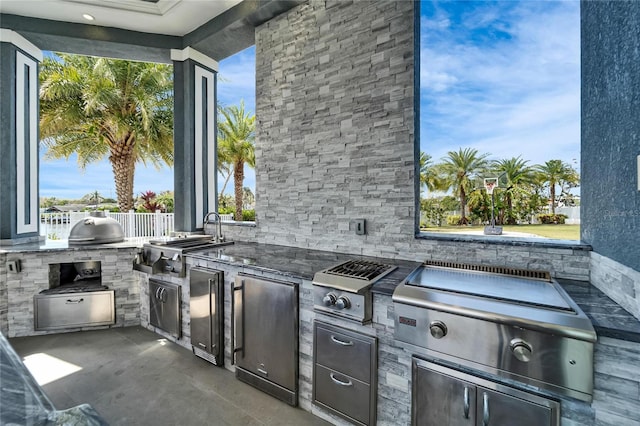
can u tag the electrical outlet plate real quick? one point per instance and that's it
(13, 266)
(360, 227)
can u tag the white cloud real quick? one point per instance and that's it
(503, 78)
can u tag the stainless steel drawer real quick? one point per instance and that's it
(67, 310)
(344, 351)
(345, 394)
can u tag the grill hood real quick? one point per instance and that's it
(96, 229)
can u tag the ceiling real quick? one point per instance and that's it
(168, 17)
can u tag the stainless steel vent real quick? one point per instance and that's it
(502, 270)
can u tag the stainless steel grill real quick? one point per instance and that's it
(343, 290)
(166, 254)
(360, 269)
(516, 327)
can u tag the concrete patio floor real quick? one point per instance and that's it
(132, 376)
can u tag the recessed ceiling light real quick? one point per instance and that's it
(88, 17)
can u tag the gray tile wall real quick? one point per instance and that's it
(334, 133)
(4, 303)
(335, 140)
(117, 274)
(619, 282)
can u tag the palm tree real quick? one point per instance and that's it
(236, 146)
(458, 169)
(517, 174)
(554, 172)
(429, 173)
(98, 107)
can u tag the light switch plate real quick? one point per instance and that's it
(360, 226)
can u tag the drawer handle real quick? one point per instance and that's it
(340, 382)
(74, 301)
(341, 342)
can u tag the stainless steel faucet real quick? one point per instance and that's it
(218, 237)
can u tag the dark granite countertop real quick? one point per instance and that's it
(23, 402)
(297, 262)
(608, 318)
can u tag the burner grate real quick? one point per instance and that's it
(361, 269)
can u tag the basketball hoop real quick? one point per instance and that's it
(490, 184)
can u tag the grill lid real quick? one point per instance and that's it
(353, 276)
(96, 229)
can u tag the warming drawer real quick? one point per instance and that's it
(68, 310)
(344, 372)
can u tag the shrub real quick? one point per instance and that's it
(557, 219)
(226, 210)
(249, 215)
(453, 219)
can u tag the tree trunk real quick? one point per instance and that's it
(553, 198)
(463, 207)
(123, 165)
(238, 180)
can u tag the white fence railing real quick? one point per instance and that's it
(56, 226)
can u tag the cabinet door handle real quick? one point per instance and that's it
(341, 342)
(340, 382)
(238, 320)
(74, 301)
(466, 402)
(485, 409)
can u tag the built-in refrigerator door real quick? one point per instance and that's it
(206, 313)
(266, 335)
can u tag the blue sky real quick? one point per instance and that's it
(502, 77)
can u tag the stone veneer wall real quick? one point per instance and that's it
(4, 303)
(335, 125)
(335, 140)
(117, 274)
(619, 282)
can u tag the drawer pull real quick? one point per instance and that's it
(341, 342)
(74, 301)
(340, 382)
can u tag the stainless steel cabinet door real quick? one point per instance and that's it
(445, 396)
(499, 409)
(441, 400)
(266, 329)
(164, 307)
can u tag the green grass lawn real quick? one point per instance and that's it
(557, 232)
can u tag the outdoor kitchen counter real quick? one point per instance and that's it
(23, 402)
(299, 263)
(608, 318)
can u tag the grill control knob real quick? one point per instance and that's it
(329, 299)
(343, 303)
(438, 329)
(521, 350)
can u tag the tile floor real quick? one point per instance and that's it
(132, 376)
